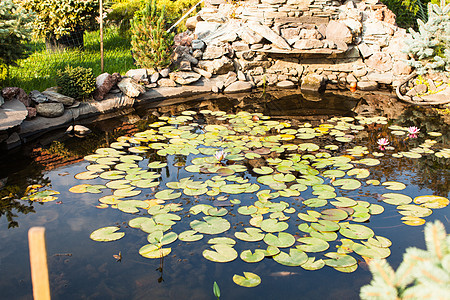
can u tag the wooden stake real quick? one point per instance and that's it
(101, 36)
(38, 263)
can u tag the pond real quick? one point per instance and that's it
(302, 184)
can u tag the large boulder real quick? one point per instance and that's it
(238, 87)
(38, 97)
(12, 113)
(313, 83)
(379, 61)
(338, 32)
(184, 78)
(218, 66)
(137, 74)
(50, 110)
(104, 83)
(57, 97)
(130, 87)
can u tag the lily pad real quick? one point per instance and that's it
(355, 231)
(131, 206)
(338, 260)
(312, 244)
(283, 240)
(413, 221)
(154, 251)
(414, 210)
(272, 225)
(106, 234)
(396, 199)
(249, 279)
(222, 253)
(334, 214)
(167, 195)
(295, 258)
(210, 225)
(190, 236)
(250, 235)
(347, 184)
(250, 257)
(371, 251)
(431, 201)
(312, 264)
(394, 185)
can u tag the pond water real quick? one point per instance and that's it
(287, 156)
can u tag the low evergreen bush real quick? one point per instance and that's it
(78, 82)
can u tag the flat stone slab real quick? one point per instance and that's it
(12, 113)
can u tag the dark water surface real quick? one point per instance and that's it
(81, 268)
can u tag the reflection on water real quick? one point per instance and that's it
(83, 269)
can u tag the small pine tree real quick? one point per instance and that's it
(423, 274)
(150, 43)
(14, 30)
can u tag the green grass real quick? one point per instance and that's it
(39, 70)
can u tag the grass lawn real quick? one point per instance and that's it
(39, 70)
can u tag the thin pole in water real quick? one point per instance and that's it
(38, 263)
(101, 35)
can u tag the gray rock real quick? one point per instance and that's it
(306, 44)
(38, 97)
(164, 73)
(286, 84)
(310, 34)
(2, 100)
(202, 72)
(231, 77)
(338, 31)
(151, 85)
(154, 78)
(189, 58)
(137, 74)
(198, 54)
(185, 65)
(290, 33)
(365, 50)
(130, 87)
(50, 110)
(385, 78)
(240, 46)
(313, 83)
(367, 85)
(31, 112)
(203, 29)
(167, 82)
(218, 66)
(57, 97)
(198, 44)
(238, 86)
(249, 36)
(13, 141)
(270, 35)
(12, 113)
(215, 51)
(191, 23)
(380, 61)
(184, 78)
(78, 129)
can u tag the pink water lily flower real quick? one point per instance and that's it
(220, 155)
(413, 131)
(382, 143)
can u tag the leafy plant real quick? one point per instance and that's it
(122, 12)
(14, 30)
(76, 82)
(216, 290)
(430, 46)
(150, 42)
(62, 17)
(423, 274)
(408, 11)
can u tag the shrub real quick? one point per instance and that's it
(151, 44)
(408, 11)
(121, 13)
(76, 82)
(430, 46)
(14, 30)
(58, 18)
(423, 274)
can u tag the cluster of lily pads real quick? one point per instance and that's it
(286, 163)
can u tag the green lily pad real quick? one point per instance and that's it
(347, 184)
(247, 210)
(250, 235)
(129, 192)
(310, 216)
(190, 236)
(373, 182)
(371, 251)
(106, 234)
(343, 202)
(312, 244)
(312, 264)
(295, 258)
(283, 240)
(325, 225)
(414, 210)
(131, 206)
(222, 240)
(369, 161)
(334, 214)
(360, 173)
(222, 253)
(394, 185)
(272, 225)
(396, 199)
(210, 225)
(250, 257)
(338, 260)
(315, 202)
(118, 184)
(159, 238)
(167, 195)
(355, 231)
(250, 279)
(328, 236)
(333, 173)
(154, 251)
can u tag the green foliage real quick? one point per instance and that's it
(121, 13)
(150, 42)
(39, 70)
(76, 82)
(423, 274)
(216, 290)
(430, 46)
(61, 17)
(408, 11)
(14, 30)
